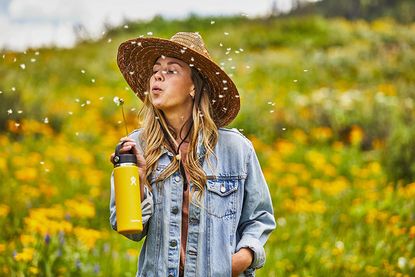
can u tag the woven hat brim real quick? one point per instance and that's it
(136, 59)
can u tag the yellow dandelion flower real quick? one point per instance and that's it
(4, 210)
(26, 255)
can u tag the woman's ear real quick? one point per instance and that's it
(192, 93)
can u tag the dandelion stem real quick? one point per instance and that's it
(125, 123)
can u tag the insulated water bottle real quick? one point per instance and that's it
(127, 192)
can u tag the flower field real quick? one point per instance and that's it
(328, 104)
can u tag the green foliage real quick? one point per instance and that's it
(327, 103)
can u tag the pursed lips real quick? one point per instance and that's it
(156, 89)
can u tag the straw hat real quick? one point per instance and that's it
(136, 58)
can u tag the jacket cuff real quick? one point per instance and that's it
(256, 246)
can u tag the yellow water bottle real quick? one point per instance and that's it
(127, 192)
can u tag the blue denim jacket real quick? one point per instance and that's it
(235, 211)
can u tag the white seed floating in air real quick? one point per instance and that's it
(149, 33)
(17, 124)
(131, 72)
(295, 81)
(32, 60)
(70, 113)
(241, 130)
(126, 88)
(226, 33)
(14, 60)
(132, 109)
(233, 67)
(13, 88)
(224, 81)
(46, 120)
(37, 53)
(220, 44)
(284, 129)
(19, 111)
(241, 49)
(271, 111)
(88, 102)
(93, 80)
(42, 162)
(125, 26)
(77, 134)
(221, 96)
(109, 40)
(229, 59)
(305, 70)
(83, 105)
(212, 22)
(9, 111)
(83, 71)
(22, 66)
(102, 97)
(77, 100)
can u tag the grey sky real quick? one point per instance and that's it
(33, 23)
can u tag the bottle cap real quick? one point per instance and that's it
(123, 158)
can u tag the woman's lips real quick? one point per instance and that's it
(156, 90)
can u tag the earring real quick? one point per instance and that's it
(192, 94)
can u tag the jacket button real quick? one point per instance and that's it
(173, 243)
(175, 210)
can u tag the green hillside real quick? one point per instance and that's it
(328, 104)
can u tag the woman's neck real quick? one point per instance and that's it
(178, 123)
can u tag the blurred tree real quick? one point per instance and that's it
(401, 10)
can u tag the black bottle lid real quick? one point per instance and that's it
(123, 158)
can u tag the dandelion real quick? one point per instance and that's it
(281, 221)
(120, 102)
(401, 262)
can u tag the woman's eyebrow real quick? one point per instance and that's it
(169, 63)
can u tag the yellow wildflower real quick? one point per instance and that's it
(4, 210)
(26, 255)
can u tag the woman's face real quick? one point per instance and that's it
(171, 85)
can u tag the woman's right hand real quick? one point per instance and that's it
(130, 144)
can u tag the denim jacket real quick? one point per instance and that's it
(235, 211)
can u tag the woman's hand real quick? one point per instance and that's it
(130, 144)
(241, 260)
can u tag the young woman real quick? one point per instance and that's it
(206, 206)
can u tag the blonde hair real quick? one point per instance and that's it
(154, 138)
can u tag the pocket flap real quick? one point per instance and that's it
(222, 187)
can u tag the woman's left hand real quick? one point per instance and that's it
(241, 260)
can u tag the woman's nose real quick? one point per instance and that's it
(158, 75)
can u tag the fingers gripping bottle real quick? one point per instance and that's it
(127, 192)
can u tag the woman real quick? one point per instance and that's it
(206, 206)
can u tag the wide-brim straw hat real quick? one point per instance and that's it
(136, 58)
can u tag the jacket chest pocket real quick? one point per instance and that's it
(222, 197)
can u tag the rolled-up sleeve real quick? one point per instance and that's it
(257, 215)
(146, 210)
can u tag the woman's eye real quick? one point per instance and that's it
(171, 72)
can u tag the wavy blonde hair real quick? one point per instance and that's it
(154, 138)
